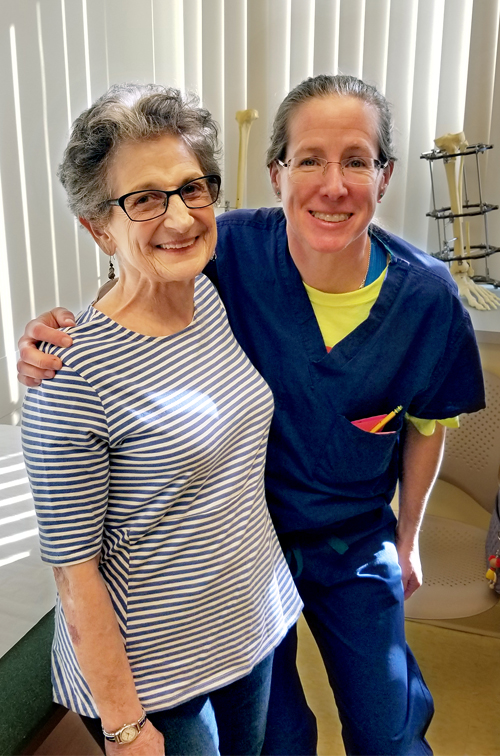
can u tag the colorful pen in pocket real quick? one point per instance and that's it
(386, 419)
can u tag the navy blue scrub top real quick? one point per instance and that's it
(417, 348)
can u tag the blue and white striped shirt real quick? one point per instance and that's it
(150, 452)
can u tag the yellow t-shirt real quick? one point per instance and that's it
(339, 314)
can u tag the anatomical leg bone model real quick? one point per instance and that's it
(461, 270)
(245, 119)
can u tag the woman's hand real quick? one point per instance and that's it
(149, 743)
(33, 365)
(411, 567)
(421, 459)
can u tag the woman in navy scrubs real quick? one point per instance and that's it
(346, 323)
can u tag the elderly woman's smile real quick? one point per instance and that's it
(179, 245)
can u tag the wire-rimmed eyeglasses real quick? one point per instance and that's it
(354, 170)
(148, 204)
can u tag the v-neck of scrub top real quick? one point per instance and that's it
(305, 319)
(339, 314)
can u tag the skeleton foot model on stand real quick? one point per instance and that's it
(461, 270)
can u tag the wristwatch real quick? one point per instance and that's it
(128, 733)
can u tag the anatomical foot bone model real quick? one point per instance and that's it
(461, 270)
(245, 119)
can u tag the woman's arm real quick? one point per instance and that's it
(66, 450)
(421, 461)
(100, 651)
(33, 365)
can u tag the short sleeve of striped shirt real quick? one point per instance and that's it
(65, 444)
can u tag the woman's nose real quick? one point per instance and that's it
(333, 179)
(178, 217)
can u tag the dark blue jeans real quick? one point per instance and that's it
(230, 721)
(353, 604)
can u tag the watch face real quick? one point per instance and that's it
(128, 734)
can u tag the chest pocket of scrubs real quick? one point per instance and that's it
(352, 455)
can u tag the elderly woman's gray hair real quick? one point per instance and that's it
(322, 86)
(130, 112)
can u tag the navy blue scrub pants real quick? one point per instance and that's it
(354, 607)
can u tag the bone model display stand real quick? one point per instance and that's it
(245, 119)
(452, 149)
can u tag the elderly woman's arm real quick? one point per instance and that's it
(100, 651)
(421, 460)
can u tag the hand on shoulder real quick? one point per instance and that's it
(34, 366)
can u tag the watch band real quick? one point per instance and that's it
(128, 733)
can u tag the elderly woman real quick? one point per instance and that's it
(347, 323)
(146, 455)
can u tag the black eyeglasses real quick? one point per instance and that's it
(147, 204)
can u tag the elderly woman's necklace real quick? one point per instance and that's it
(367, 265)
